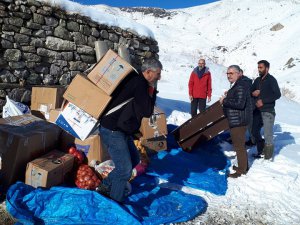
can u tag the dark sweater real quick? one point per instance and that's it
(128, 117)
(269, 92)
(237, 105)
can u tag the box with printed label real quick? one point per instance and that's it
(49, 170)
(154, 126)
(87, 96)
(22, 139)
(92, 146)
(43, 99)
(76, 121)
(109, 72)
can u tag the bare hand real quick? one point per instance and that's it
(221, 99)
(256, 93)
(191, 98)
(208, 99)
(259, 103)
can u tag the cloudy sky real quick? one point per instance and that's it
(166, 4)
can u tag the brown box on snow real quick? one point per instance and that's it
(22, 139)
(109, 72)
(87, 96)
(49, 170)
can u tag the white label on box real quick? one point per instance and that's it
(76, 121)
(44, 108)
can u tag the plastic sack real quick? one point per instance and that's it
(105, 168)
(12, 108)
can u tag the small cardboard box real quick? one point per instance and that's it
(92, 146)
(76, 121)
(109, 72)
(22, 139)
(155, 144)
(154, 126)
(53, 114)
(87, 96)
(49, 170)
(43, 99)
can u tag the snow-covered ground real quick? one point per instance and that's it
(233, 32)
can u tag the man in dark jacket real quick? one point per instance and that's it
(251, 140)
(131, 101)
(237, 109)
(199, 87)
(266, 91)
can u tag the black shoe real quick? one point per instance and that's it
(257, 156)
(249, 143)
(234, 175)
(103, 190)
(236, 168)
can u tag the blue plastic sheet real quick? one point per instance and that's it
(149, 204)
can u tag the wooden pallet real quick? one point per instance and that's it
(201, 128)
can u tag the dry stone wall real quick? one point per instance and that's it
(45, 45)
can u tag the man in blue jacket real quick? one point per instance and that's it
(266, 91)
(237, 108)
(131, 101)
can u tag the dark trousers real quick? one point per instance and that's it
(198, 103)
(125, 157)
(238, 140)
(257, 124)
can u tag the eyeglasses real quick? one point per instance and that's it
(231, 73)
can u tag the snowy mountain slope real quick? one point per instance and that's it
(230, 32)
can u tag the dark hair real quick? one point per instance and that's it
(151, 64)
(242, 71)
(265, 62)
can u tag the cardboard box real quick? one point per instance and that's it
(76, 121)
(53, 114)
(92, 146)
(155, 144)
(109, 72)
(49, 170)
(22, 139)
(43, 99)
(87, 96)
(154, 126)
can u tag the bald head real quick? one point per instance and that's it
(201, 63)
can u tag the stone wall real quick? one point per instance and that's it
(45, 45)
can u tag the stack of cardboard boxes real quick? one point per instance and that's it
(76, 110)
(84, 102)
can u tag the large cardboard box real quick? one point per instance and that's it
(92, 146)
(22, 139)
(154, 144)
(87, 96)
(154, 126)
(49, 170)
(43, 99)
(109, 72)
(76, 121)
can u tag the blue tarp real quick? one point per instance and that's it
(149, 203)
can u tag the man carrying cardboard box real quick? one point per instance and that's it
(131, 101)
